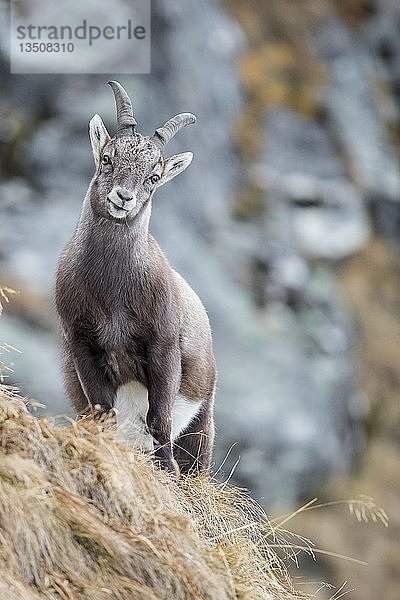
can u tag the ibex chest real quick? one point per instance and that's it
(120, 338)
(113, 330)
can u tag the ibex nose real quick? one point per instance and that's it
(124, 194)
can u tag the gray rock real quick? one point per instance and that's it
(355, 121)
(312, 204)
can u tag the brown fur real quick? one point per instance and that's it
(127, 315)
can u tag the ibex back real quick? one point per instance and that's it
(136, 337)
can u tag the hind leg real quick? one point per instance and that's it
(193, 447)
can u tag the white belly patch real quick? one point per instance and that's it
(183, 412)
(131, 406)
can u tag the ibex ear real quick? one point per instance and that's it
(99, 137)
(174, 165)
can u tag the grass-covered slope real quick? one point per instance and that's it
(83, 516)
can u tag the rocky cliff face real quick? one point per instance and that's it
(290, 148)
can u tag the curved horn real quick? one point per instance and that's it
(126, 122)
(163, 134)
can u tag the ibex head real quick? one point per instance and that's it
(130, 166)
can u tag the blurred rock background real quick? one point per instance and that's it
(287, 224)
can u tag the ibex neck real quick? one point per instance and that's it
(108, 239)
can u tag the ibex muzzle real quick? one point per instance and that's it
(121, 201)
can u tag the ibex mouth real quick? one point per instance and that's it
(117, 206)
(117, 211)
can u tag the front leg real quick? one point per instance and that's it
(164, 373)
(95, 376)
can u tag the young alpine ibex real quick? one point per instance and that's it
(136, 337)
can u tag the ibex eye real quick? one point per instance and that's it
(105, 159)
(154, 178)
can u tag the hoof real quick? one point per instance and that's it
(102, 412)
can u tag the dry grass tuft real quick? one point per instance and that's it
(83, 516)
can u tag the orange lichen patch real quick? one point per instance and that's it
(271, 56)
(275, 74)
(286, 19)
(371, 284)
(355, 12)
(248, 130)
(279, 73)
(250, 203)
(278, 68)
